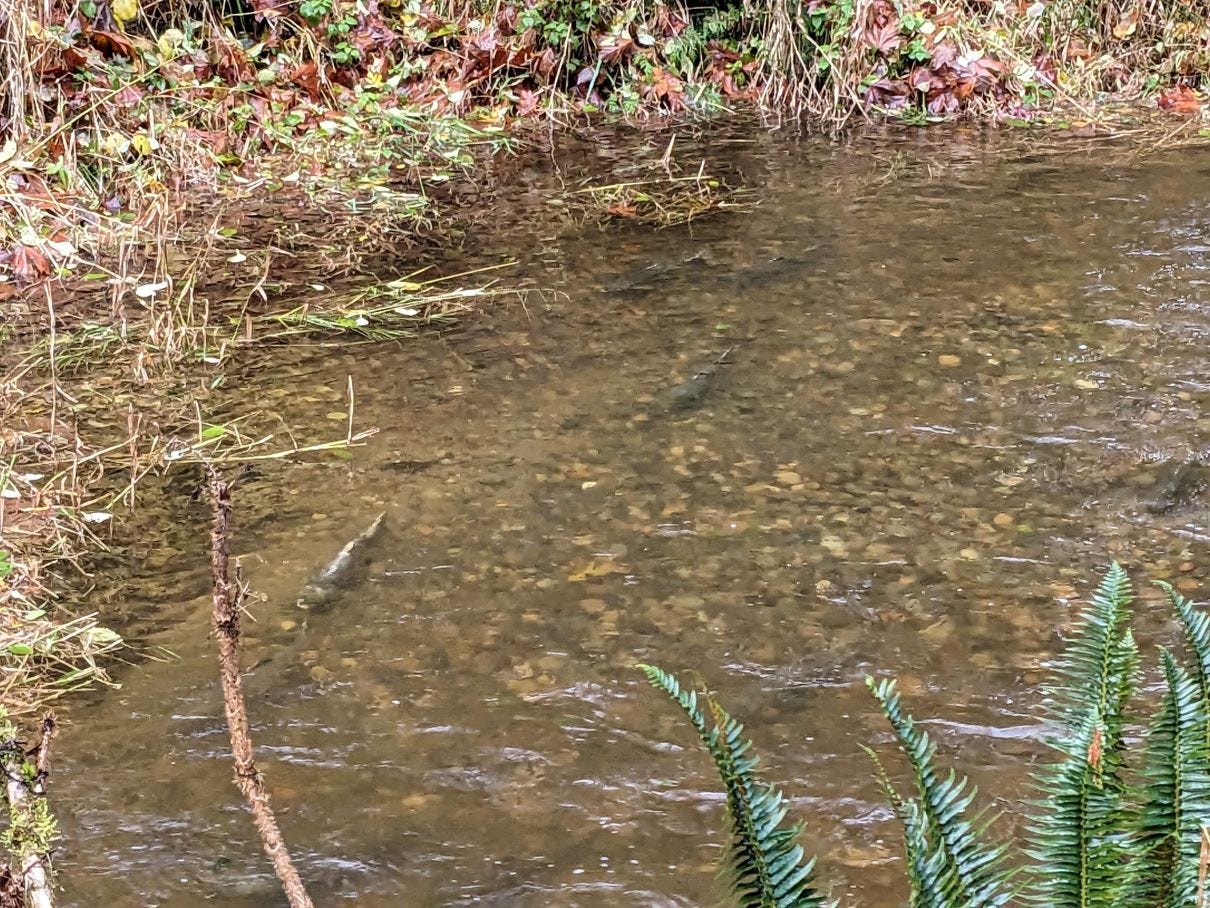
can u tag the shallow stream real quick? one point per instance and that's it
(959, 370)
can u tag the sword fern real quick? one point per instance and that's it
(944, 847)
(768, 867)
(1115, 826)
(1078, 836)
(1167, 846)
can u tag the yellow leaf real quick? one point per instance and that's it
(115, 144)
(124, 10)
(170, 42)
(592, 569)
(140, 143)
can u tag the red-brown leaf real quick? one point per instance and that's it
(920, 79)
(943, 54)
(28, 263)
(1180, 99)
(306, 77)
(884, 38)
(617, 48)
(112, 44)
(129, 96)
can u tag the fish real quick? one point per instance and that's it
(649, 278)
(689, 394)
(1180, 485)
(321, 591)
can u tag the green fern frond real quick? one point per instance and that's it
(1079, 830)
(1097, 671)
(926, 863)
(768, 867)
(1165, 869)
(1197, 644)
(1077, 835)
(968, 873)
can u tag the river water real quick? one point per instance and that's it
(959, 368)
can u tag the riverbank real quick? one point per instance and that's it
(123, 126)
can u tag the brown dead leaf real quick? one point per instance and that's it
(306, 77)
(112, 44)
(614, 49)
(28, 263)
(1127, 24)
(884, 38)
(1180, 99)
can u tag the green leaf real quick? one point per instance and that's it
(1167, 848)
(956, 868)
(767, 866)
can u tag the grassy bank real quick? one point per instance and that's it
(125, 124)
(136, 134)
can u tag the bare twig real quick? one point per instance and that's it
(228, 599)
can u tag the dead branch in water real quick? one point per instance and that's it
(228, 602)
(31, 827)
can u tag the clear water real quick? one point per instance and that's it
(958, 366)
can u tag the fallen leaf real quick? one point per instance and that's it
(1180, 99)
(28, 263)
(147, 291)
(1127, 24)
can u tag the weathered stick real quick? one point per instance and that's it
(228, 600)
(26, 793)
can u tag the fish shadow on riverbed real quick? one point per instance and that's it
(701, 269)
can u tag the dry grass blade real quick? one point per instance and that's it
(661, 202)
(44, 659)
(17, 64)
(386, 311)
